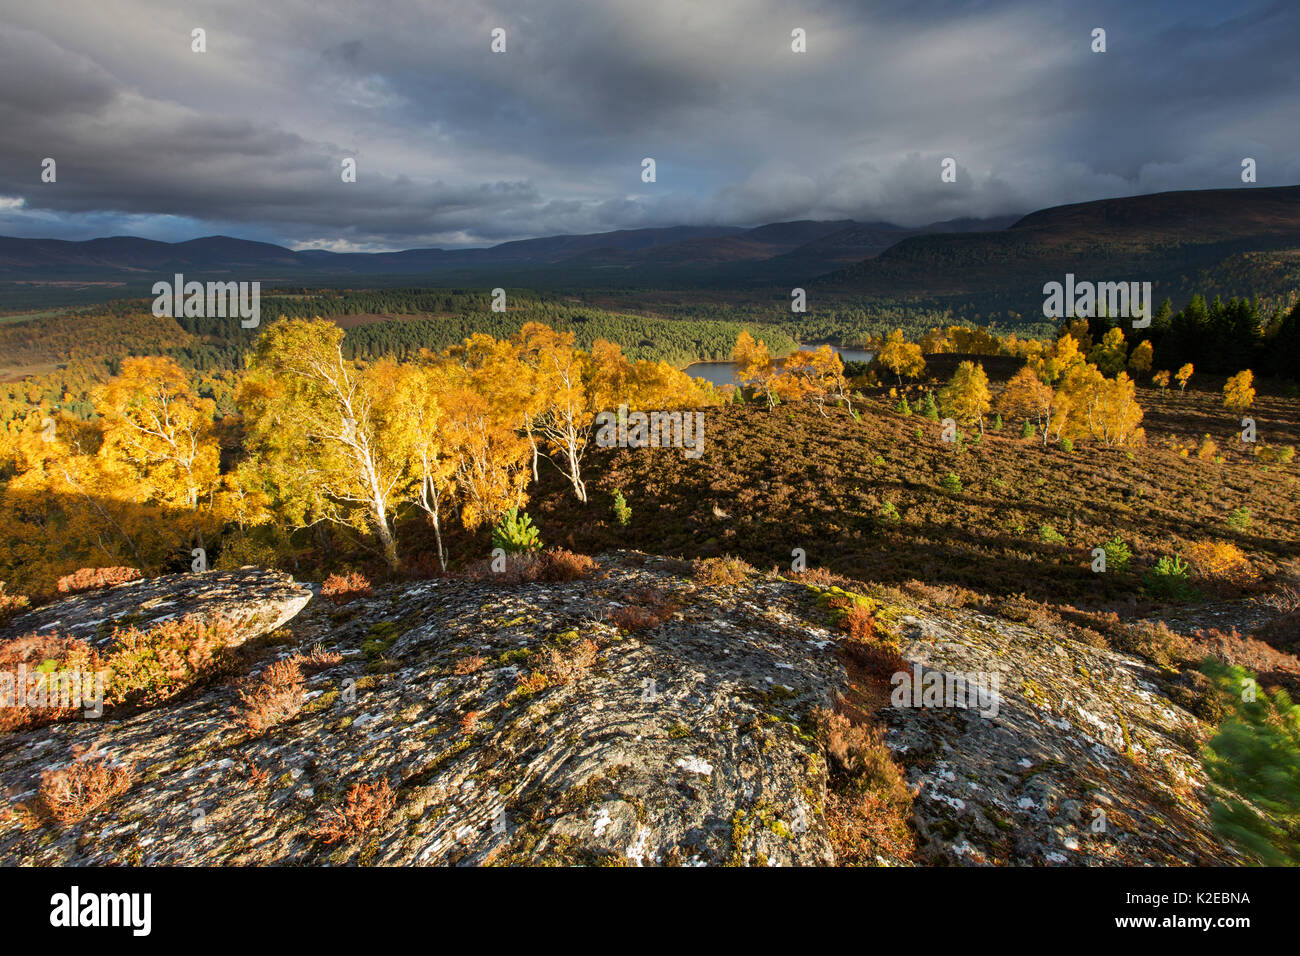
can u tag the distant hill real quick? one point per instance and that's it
(1242, 241)
(1196, 240)
(812, 245)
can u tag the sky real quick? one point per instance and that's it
(457, 145)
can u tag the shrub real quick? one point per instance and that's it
(93, 579)
(560, 564)
(556, 564)
(11, 605)
(622, 513)
(1050, 535)
(858, 623)
(563, 666)
(646, 608)
(533, 682)
(1220, 562)
(889, 511)
(1169, 579)
(1067, 445)
(1208, 449)
(903, 408)
(149, 667)
(48, 655)
(928, 408)
(870, 643)
(341, 588)
(470, 664)
(273, 698)
(635, 618)
(514, 533)
(317, 659)
(1240, 519)
(1118, 554)
(951, 484)
(469, 722)
(720, 572)
(70, 794)
(1028, 430)
(1255, 759)
(365, 807)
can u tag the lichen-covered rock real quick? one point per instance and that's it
(520, 725)
(1085, 762)
(252, 600)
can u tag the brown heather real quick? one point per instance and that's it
(93, 579)
(365, 807)
(272, 698)
(342, 588)
(72, 793)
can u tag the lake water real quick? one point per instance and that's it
(724, 373)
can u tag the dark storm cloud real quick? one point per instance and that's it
(456, 145)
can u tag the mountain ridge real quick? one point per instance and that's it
(661, 246)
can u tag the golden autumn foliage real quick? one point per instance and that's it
(1111, 354)
(1027, 396)
(966, 397)
(131, 487)
(817, 374)
(1141, 358)
(1239, 392)
(315, 419)
(901, 357)
(1220, 562)
(755, 368)
(312, 446)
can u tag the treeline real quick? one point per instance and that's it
(1219, 337)
(668, 340)
(56, 361)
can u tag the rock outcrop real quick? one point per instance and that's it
(528, 724)
(1086, 761)
(252, 600)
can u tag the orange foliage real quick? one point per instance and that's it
(272, 699)
(93, 579)
(1220, 562)
(68, 795)
(365, 807)
(341, 588)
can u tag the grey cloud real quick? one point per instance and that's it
(456, 145)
